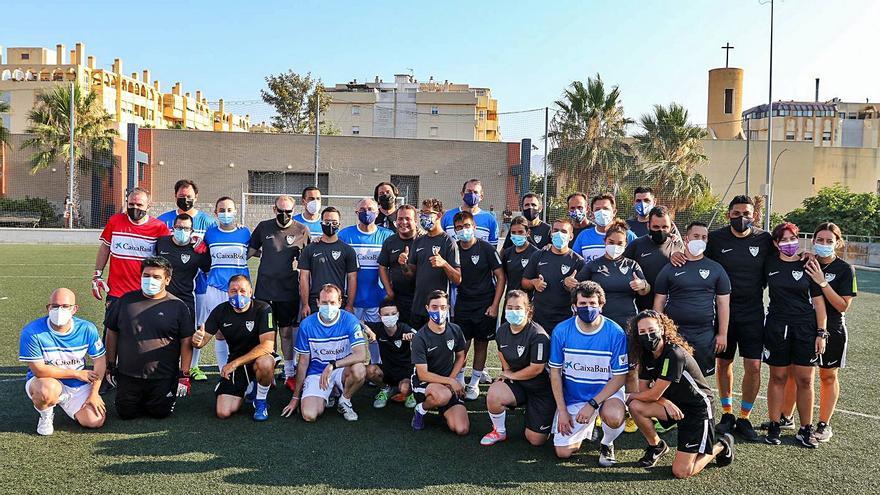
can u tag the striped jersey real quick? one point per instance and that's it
(325, 342)
(228, 254)
(40, 343)
(590, 243)
(129, 244)
(367, 246)
(314, 227)
(485, 225)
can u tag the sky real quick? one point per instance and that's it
(526, 52)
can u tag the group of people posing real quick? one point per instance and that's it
(602, 321)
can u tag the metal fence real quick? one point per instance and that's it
(860, 250)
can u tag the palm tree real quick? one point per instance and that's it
(4, 132)
(671, 151)
(50, 127)
(589, 129)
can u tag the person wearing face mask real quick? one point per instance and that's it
(438, 354)
(54, 348)
(590, 243)
(673, 389)
(400, 285)
(149, 345)
(539, 232)
(550, 273)
(278, 243)
(228, 243)
(643, 198)
(794, 334)
(515, 258)
(385, 194)
(392, 374)
(433, 260)
(332, 351)
(311, 212)
(652, 251)
(326, 261)
(588, 367)
(486, 223)
(249, 329)
(696, 296)
(580, 216)
(523, 350)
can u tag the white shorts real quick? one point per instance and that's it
(201, 311)
(312, 385)
(370, 315)
(581, 431)
(213, 297)
(76, 396)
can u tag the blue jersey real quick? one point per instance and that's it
(370, 291)
(201, 223)
(324, 343)
(40, 343)
(314, 227)
(228, 254)
(590, 244)
(486, 226)
(588, 361)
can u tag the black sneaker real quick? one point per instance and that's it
(784, 423)
(744, 428)
(606, 455)
(773, 433)
(823, 432)
(653, 453)
(725, 457)
(727, 423)
(805, 437)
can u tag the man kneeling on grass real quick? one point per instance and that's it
(395, 366)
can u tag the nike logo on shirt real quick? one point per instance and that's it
(771, 274)
(419, 249)
(316, 255)
(542, 263)
(502, 346)
(726, 250)
(431, 348)
(394, 251)
(269, 237)
(646, 254)
(679, 273)
(691, 445)
(647, 368)
(543, 428)
(227, 325)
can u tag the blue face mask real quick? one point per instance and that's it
(518, 240)
(367, 217)
(823, 250)
(642, 208)
(226, 218)
(471, 199)
(239, 301)
(465, 235)
(182, 236)
(559, 239)
(426, 221)
(515, 317)
(603, 217)
(438, 317)
(588, 314)
(577, 215)
(151, 286)
(328, 311)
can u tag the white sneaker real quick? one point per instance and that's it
(471, 392)
(45, 425)
(486, 378)
(331, 401)
(347, 411)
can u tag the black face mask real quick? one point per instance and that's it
(135, 214)
(282, 217)
(658, 236)
(530, 213)
(741, 224)
(329, 230)
(649, 341)
(185, 204)
(386, 201)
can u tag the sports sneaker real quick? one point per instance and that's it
(347, 411)
(606, 455)
(46, 426)
(660, 429)
(261, 410)
(410, 401)
(197, 375)
(653, 453)
(331, 401)
(823, 432)
(493, 437)
(381, 398)
(727, 423)
(290, 383)
(744, 428)
(630, 425)
(773, 433)
(418, 421)
(785, 423)
(805, 437)
(486, 379)
(725, 457)
(471, 393)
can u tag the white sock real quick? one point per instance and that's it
(610, 434)
(498, 421)
(344, 401)
(195, 359)
(475, 377)
(45, 413)
(460, 377)
(262, 391)
(290, 368)
(222, 350)
(420, 408)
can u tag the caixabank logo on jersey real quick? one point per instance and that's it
(132, 247)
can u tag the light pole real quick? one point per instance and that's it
(768, 204)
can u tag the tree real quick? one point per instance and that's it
(855, 213)
(4, 132)
(670, 150)
(589, 131)
(294, 97)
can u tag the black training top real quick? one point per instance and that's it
(185, 266)
(791, 291)
(539, 236)
(438, 350)
(328, 264)
(395, 351)
(555, 299)
(404, 287)
(427, 277)
(691, 291)
(241, 330)
(743, 259)
(515, 264)
(841, 276)
(614, 276)
(688, 388)
(477, 288)
(529, 346)
(278, 275)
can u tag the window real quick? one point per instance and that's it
(781, 113)
(25, 56)
(826, 136)
(808, 113)
(433, 132)
(435, 110)
(754, 136)
(408, 185)
(842, 115)
(274, 183)
(808, 136)
(355, 109)
(728, 100)
(482, 115)
(789, 136)
(355, 130)
(852, 116)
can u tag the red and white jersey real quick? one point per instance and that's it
(129, 244)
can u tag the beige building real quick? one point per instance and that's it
(407, 108)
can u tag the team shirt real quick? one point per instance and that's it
(228, 254)
(328, 263)
(367, 246)
(437, 350)
(539, 236)
(841, 276)
(427, 277)
(791, 290)
(477, 288)
(200, 224)
(39, 343)
(387, 221)
(278, 275)
(149, 334)
(485, 225)
(614, 277)
(314, 226)
(651, 259)
(636, 227)
(325, 342)
(555, 300)
(515, 264)
(520, 350)
(688, 388)
(743, 259)
(396, 353)
(691, 291)
(587, 360)
(186, 267)
(577, 232)
(404, 287)
(129, 244)
(241, 330)
(590, 243)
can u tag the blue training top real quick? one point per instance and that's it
(590, 244)
(40, 343)
(328, 342)
(486, 226)
(367, 246)
(228, 254)
(314, 226)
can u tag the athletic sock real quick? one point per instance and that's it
(610, 434)
(195, 359)
(221, 348)
(460, 377)
(289, 368)
(45, 413)
(475, 378)
(420, 408)
(343, 401)
(745, 409)
(498, 421)
(262, 391)
(727, 405)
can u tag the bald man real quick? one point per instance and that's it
(55, 348)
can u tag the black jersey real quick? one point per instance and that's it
(691, 290)
(395, 351)
(743, 259)
(841, 276)
(651, 258)
(539, 236)
(388, 221)
(688, 388)
(241, 330)
(614, 276)
(515, 264)
(791, 291)
(438, 350)
(328, 263)
(403, 286)
(427, 277)
(477, 288)
(185, 266)
(530, 346)
(640, 229)
(278, 275)
(555, 300)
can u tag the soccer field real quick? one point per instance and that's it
(193, 452)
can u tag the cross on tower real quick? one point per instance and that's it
(726, 49)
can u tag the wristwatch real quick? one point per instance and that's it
(824, 284)
(822, 333)
(593, 404)
(332, 362)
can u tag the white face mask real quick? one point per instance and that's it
(60, 316)
(696, 247)
(390, 320)
(313, 206)
(614, 251)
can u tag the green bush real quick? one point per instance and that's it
(40, 206)
(855, 213)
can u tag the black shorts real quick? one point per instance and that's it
(476, 327)
(790, 343)
(393, 375)
(695, 434)
(237, 383)
(419, 388)
(108, 301)
(748, 336)
(702, 339)
(284, 312)
(142, 397)
(540, 406)
(835, 347)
